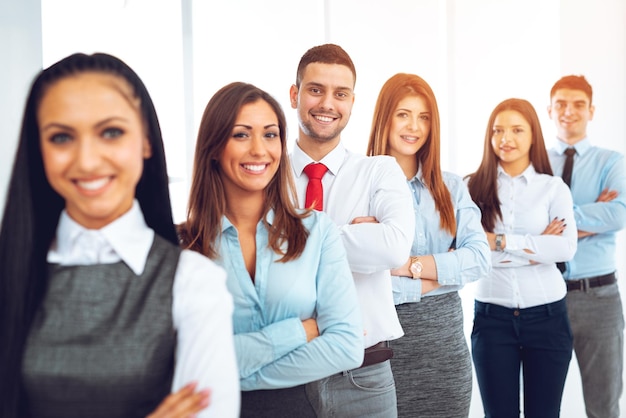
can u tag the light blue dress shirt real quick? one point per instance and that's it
(270, 342)
(469, 262)
(595, 169)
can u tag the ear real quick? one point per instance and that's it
(293, 96)
(592, 110)
(146, 148)
(549, 109)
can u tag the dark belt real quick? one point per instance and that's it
(584, 284)
(377, 354)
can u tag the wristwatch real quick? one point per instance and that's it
(499, 238)
(416, 268)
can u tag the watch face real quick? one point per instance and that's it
(416, 268)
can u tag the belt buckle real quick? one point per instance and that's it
(584, 285)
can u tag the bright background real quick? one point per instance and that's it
(474, 53)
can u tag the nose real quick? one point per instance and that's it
(257, 146)
(327, 101)
(413, 124)
(87, 154)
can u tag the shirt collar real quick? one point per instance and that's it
(418, 178)
(128, 237)
(332, 160)
(226, 223)
(527, 174)
(581, 146)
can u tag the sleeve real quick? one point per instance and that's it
(340, 344)
(548, 248)
(405, 290)
(205, 351)
(602, 217)
(373, 247)
(471, 260)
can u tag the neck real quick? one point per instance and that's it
(245, 211)
(571, 140)
(514, 169)
(315, 148)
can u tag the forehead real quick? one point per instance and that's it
(510, 117)
(80, 91)
(569, 95)
(258, 111)
(415, 102)
(328, 75)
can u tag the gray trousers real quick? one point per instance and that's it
(597, 323)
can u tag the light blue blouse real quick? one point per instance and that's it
(469, 262)
(270, 342)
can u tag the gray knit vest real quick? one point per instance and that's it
(103, 341)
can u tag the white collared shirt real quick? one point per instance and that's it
(354, 186)
(529, 202)
(202, 307)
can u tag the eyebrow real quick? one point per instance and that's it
(69, 128)
(241, 125)
(427, 112)
(316, 84)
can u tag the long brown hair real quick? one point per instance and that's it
(207, 199)
(393, 91)
(483, 184)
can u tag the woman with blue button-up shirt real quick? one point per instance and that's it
(296, 316)
(431, 363)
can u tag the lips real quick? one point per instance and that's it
(409, 138)
(93, 185)
(324, 118)
(255, 168)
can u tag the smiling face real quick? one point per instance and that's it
(570, 110)
(324, 102)
(93, 145)
(252, 154)
(511, 141)
(410, 127)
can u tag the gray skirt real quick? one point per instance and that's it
(431, 365)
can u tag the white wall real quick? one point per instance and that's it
(20, 49)
(474, 53)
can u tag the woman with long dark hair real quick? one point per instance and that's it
(520, 318)
(296, 316)
(101, 313)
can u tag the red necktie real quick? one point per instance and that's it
(314, 191)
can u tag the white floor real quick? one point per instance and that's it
(572, 405)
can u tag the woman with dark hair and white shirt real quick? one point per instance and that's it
(520, 312)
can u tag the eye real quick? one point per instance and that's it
(240, 135)
(402, 115)
(425, 117)
(497, 131)
(315, 90)
(60, 138)
(272, 135)
(112, 133)
(518, 130)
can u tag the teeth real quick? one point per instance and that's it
(255, 167)
(410, 138)
(324, 118)
(93, 184)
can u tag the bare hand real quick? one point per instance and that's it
(429, 285)
(364, 220)
(183, 404)
(402, 270)
(310, 328)
(607, 195)
(556, 227)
